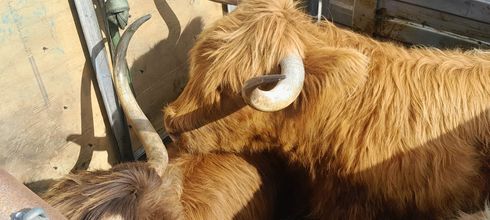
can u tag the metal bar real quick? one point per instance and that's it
(313, 7)
(230, 8)
(98, 56)
(109, 29)
(319, 11)
(112, 33)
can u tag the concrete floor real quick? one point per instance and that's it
(51, 120)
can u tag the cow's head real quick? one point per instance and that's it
(245, 71)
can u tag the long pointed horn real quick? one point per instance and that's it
(152, 143)
(288, 88)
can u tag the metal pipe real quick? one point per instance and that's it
(98, 56)
(113, 36)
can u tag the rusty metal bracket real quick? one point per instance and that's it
(17, 199)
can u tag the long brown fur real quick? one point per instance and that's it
(211, 186)
(385, 131)
(124, 192)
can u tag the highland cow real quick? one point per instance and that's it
(384, 131)
(208, 186)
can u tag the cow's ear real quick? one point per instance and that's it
(342, 70)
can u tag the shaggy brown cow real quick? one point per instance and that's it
(385, 131)
(210, 186)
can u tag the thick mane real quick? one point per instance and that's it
(377, 109)
(254, 38)
(127, 191)
(399, 102)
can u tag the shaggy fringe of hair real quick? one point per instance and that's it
(226, 46)
(127, 191)
(210, 186)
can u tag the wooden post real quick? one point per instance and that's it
(364, 16)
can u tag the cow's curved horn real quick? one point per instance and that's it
(289, 86)
(149, 138)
